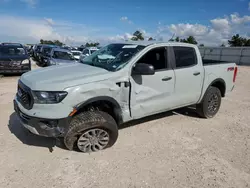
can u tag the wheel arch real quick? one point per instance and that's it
(110, 105)
(220, 84)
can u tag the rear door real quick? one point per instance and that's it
(153, 93)
(189, 74)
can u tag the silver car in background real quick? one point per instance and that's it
(87, 51)
(76, 54)
(59, 57)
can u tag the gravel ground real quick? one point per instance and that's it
(175, 149)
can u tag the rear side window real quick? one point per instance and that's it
(184, 56)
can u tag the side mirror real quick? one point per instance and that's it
(143, 69)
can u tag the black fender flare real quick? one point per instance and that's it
(214, 81)
(118, 110)
(222, 81)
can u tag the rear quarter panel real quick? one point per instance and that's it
(218, 71)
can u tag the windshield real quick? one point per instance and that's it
(76, 53)
(63, 55)
(112, 57)
(12, 50)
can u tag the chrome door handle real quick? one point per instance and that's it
(196, 73)
(166, 78)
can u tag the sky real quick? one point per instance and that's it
(76, 22)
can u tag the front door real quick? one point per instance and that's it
(152, 94)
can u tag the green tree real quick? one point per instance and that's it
(236, 40)
(95, 44)
(190, 40)
(137, 36)
(58, 43)
(55, 42)
(247, 42)
(177, 39)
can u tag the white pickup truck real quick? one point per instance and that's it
(86, 102)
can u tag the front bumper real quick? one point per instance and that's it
(42, 126)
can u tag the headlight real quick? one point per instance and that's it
(48, 97)
(26, 61)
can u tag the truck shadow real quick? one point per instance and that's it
(33, 140)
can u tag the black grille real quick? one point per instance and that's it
(24, 96)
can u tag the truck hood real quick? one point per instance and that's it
(57, 78)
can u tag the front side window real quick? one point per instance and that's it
(63, 55)
(12, 51)
(155, 57)
(113, 57)
(184, 56)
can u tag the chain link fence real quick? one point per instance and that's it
(239, 55)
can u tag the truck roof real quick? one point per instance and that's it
(147, 43)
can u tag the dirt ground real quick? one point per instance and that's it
(175, 149)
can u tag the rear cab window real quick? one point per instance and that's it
(184, 56)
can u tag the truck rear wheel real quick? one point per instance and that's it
(91, 131)
(210, 104)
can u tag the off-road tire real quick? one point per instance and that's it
(87, 120)
(203, 107)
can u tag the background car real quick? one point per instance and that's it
(37, 49)
(59, 56)
(87, 51)
(44, 53)
(76, 54)
(14, 59)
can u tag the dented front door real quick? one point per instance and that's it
(151, 94)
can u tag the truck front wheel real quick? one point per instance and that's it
(91, 131)
(210, 104)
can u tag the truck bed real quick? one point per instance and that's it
(213, 62)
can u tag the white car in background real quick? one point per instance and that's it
(76, 54)
(88, 51)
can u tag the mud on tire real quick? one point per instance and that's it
(86, 122)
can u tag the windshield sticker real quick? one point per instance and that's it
(130, 46)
